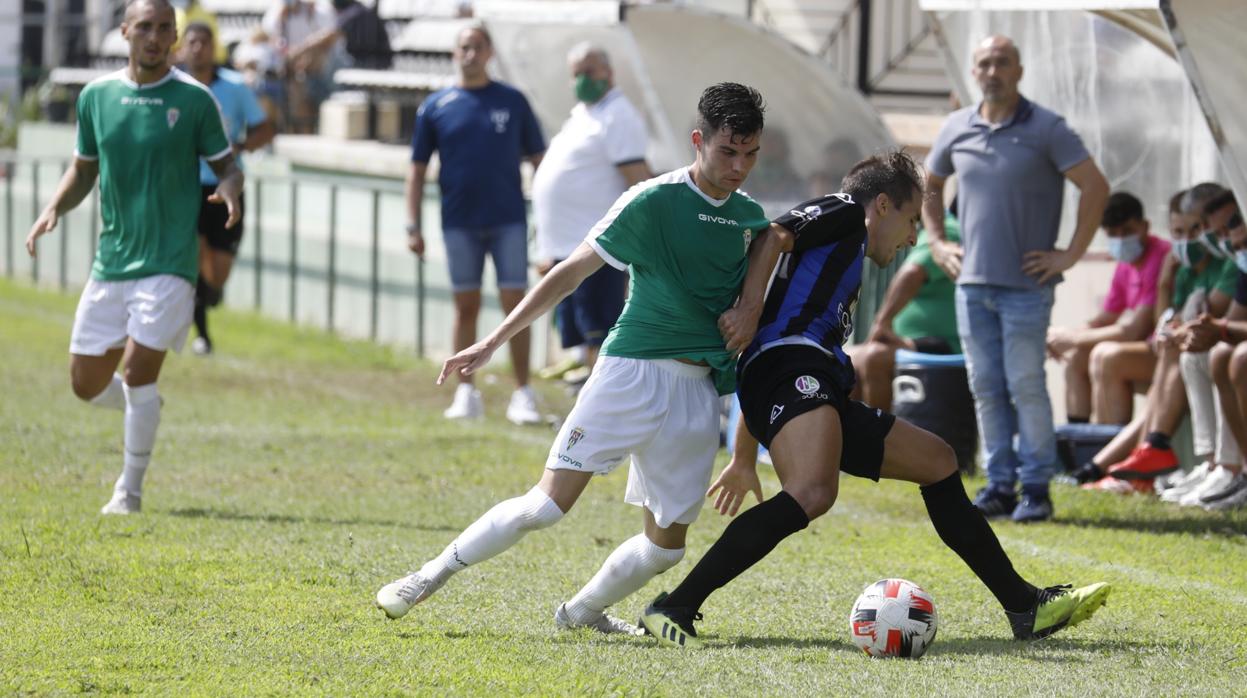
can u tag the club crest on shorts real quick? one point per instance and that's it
(574, 437)
(807, 385)
(172, 116)
(776, 410)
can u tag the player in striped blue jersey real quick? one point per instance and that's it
(794, 383)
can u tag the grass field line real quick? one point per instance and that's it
(1150, 577)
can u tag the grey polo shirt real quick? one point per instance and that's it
(1010, 187)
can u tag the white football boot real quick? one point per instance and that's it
(397, 597)
(1180, 487)
(1218, 478)
(123, 503)
(605, 624)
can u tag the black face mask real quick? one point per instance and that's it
(341, 4)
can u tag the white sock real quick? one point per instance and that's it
(142, 418)
(628, 568)
(500, 528)
(112, 397)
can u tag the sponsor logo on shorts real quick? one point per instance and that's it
(807, 385)
(574, 438)
(776, 410)
(571, 461)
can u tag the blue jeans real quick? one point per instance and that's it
(506, 244)
(1004, 333)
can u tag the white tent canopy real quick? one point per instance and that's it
(1150, 84)
(664, 56)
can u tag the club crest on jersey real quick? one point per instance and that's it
(574, 437)
(500, 117)
(172, 116)
(776, 411)
(807, 385)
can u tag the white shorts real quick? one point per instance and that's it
(155, 311)
(663, 413)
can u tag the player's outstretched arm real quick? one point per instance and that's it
(740, 477)
(553, 287)
(229, 187)
(77, 182)
(740, 323)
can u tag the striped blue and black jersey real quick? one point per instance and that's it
(814, 292)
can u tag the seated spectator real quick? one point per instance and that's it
(260, 66)
(917, 314)
(1216, 416)
(1229, 355)
(361, 35)
(296, 27)
(1198, 284)
(1123, 324)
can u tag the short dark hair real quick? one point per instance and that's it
(893, 173)
(1200, 194)
(1220, 201)
(1122, 208)
(738, 108)
(1175, 202)
(202, 27)
(478, 27)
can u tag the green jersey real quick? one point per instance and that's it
(687, 254)
(1219, 275)
(931, 313)
(148, 140)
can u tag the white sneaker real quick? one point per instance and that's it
(1232, 486)
(523, 407)
(397, 597)
(467, 403)
(1217, 479)
(605, 624)
(1180, 487)
(1233, 501)
(123, 503)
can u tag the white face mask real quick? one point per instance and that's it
(1126, 248)
(1240, 260)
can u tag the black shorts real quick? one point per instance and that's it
(932, 345)
(212, 219)
(788, 381)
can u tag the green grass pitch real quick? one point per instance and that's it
(296, 473)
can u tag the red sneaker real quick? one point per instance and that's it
(1145, 462)
(1112, 484)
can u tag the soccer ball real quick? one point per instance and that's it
(893, 618)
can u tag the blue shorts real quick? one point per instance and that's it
(506, 244)
(591, 310)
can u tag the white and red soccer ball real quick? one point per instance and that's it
(893, 618)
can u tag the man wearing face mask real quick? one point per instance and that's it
(1207, 347)
(1127, 315)
(1201, 285)
(597, 155)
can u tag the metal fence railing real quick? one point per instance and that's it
(314, 250)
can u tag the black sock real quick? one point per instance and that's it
(1077, 420)
(1158, 440)
(744, 542)
(963, 529)
(201, 318)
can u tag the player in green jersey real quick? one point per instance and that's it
(141, 130)
(685, 238)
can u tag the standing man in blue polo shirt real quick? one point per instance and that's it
(481, 130)
(1011, 157)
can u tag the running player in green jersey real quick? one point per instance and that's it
(685, 237)
(142, 131)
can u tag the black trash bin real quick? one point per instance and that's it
(932, 391)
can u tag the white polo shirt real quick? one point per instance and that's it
(579, 176)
